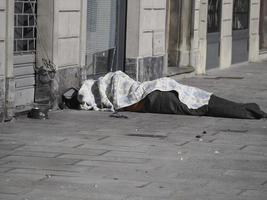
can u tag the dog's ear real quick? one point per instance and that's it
(84, 106)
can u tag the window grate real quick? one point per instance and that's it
(214, 16)
(241, 14)
(25, 26)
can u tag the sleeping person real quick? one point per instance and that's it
(116, 91)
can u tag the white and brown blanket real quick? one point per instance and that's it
(117, 90)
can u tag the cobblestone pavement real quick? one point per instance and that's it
(79, 155)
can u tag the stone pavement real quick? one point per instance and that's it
(79, 155)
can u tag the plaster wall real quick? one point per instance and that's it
(146, 25)
(59, 25)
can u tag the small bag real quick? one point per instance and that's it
(69, 98)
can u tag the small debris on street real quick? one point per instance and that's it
(216, 152)
(118, 115)
(48, 175)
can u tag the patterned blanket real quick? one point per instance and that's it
(116, 90)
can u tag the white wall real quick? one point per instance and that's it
(202, 20)
(226, 34)
(254, 30)
(61, 24)
(6, 37)
(146, 27)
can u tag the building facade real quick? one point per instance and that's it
(48, 46)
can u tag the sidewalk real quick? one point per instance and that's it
(82, 155)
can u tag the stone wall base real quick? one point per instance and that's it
(10, 99)
(50, 93)
(145, 69)
(7, 99)
(2, 99)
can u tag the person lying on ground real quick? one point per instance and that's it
(116, 91)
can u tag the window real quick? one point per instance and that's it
(24, 26)
(101, 35)
(241, 14)
(214, 16)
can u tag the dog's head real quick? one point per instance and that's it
(86, 96)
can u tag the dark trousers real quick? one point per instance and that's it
(169, 103)
(220, 107)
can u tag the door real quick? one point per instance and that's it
(24, 53)
(213, 33)
(106, 24)
(240, 33)
(263, 26)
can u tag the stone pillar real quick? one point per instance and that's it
(226, 34)
(10, 80)
(62, 28)
(203, 16)
(185, 33)
(7, 84)
(173, 32)
(145, 45)
(194, 47)
(254, 30)
(2, 57)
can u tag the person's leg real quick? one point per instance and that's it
(220, 107)
(169, 103)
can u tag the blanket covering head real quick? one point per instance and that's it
(117, 90)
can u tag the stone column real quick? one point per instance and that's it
(10, 80)
(203, 16)
(185, 32)
(62, 28)
(2, 58)
(7, 84)
(226, 34)
(254, 20)
(174, 18)
(194, 47)
(145, 45)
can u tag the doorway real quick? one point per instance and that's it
(24, 53)
(213, 33)
(106, 32)
(240, 28)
